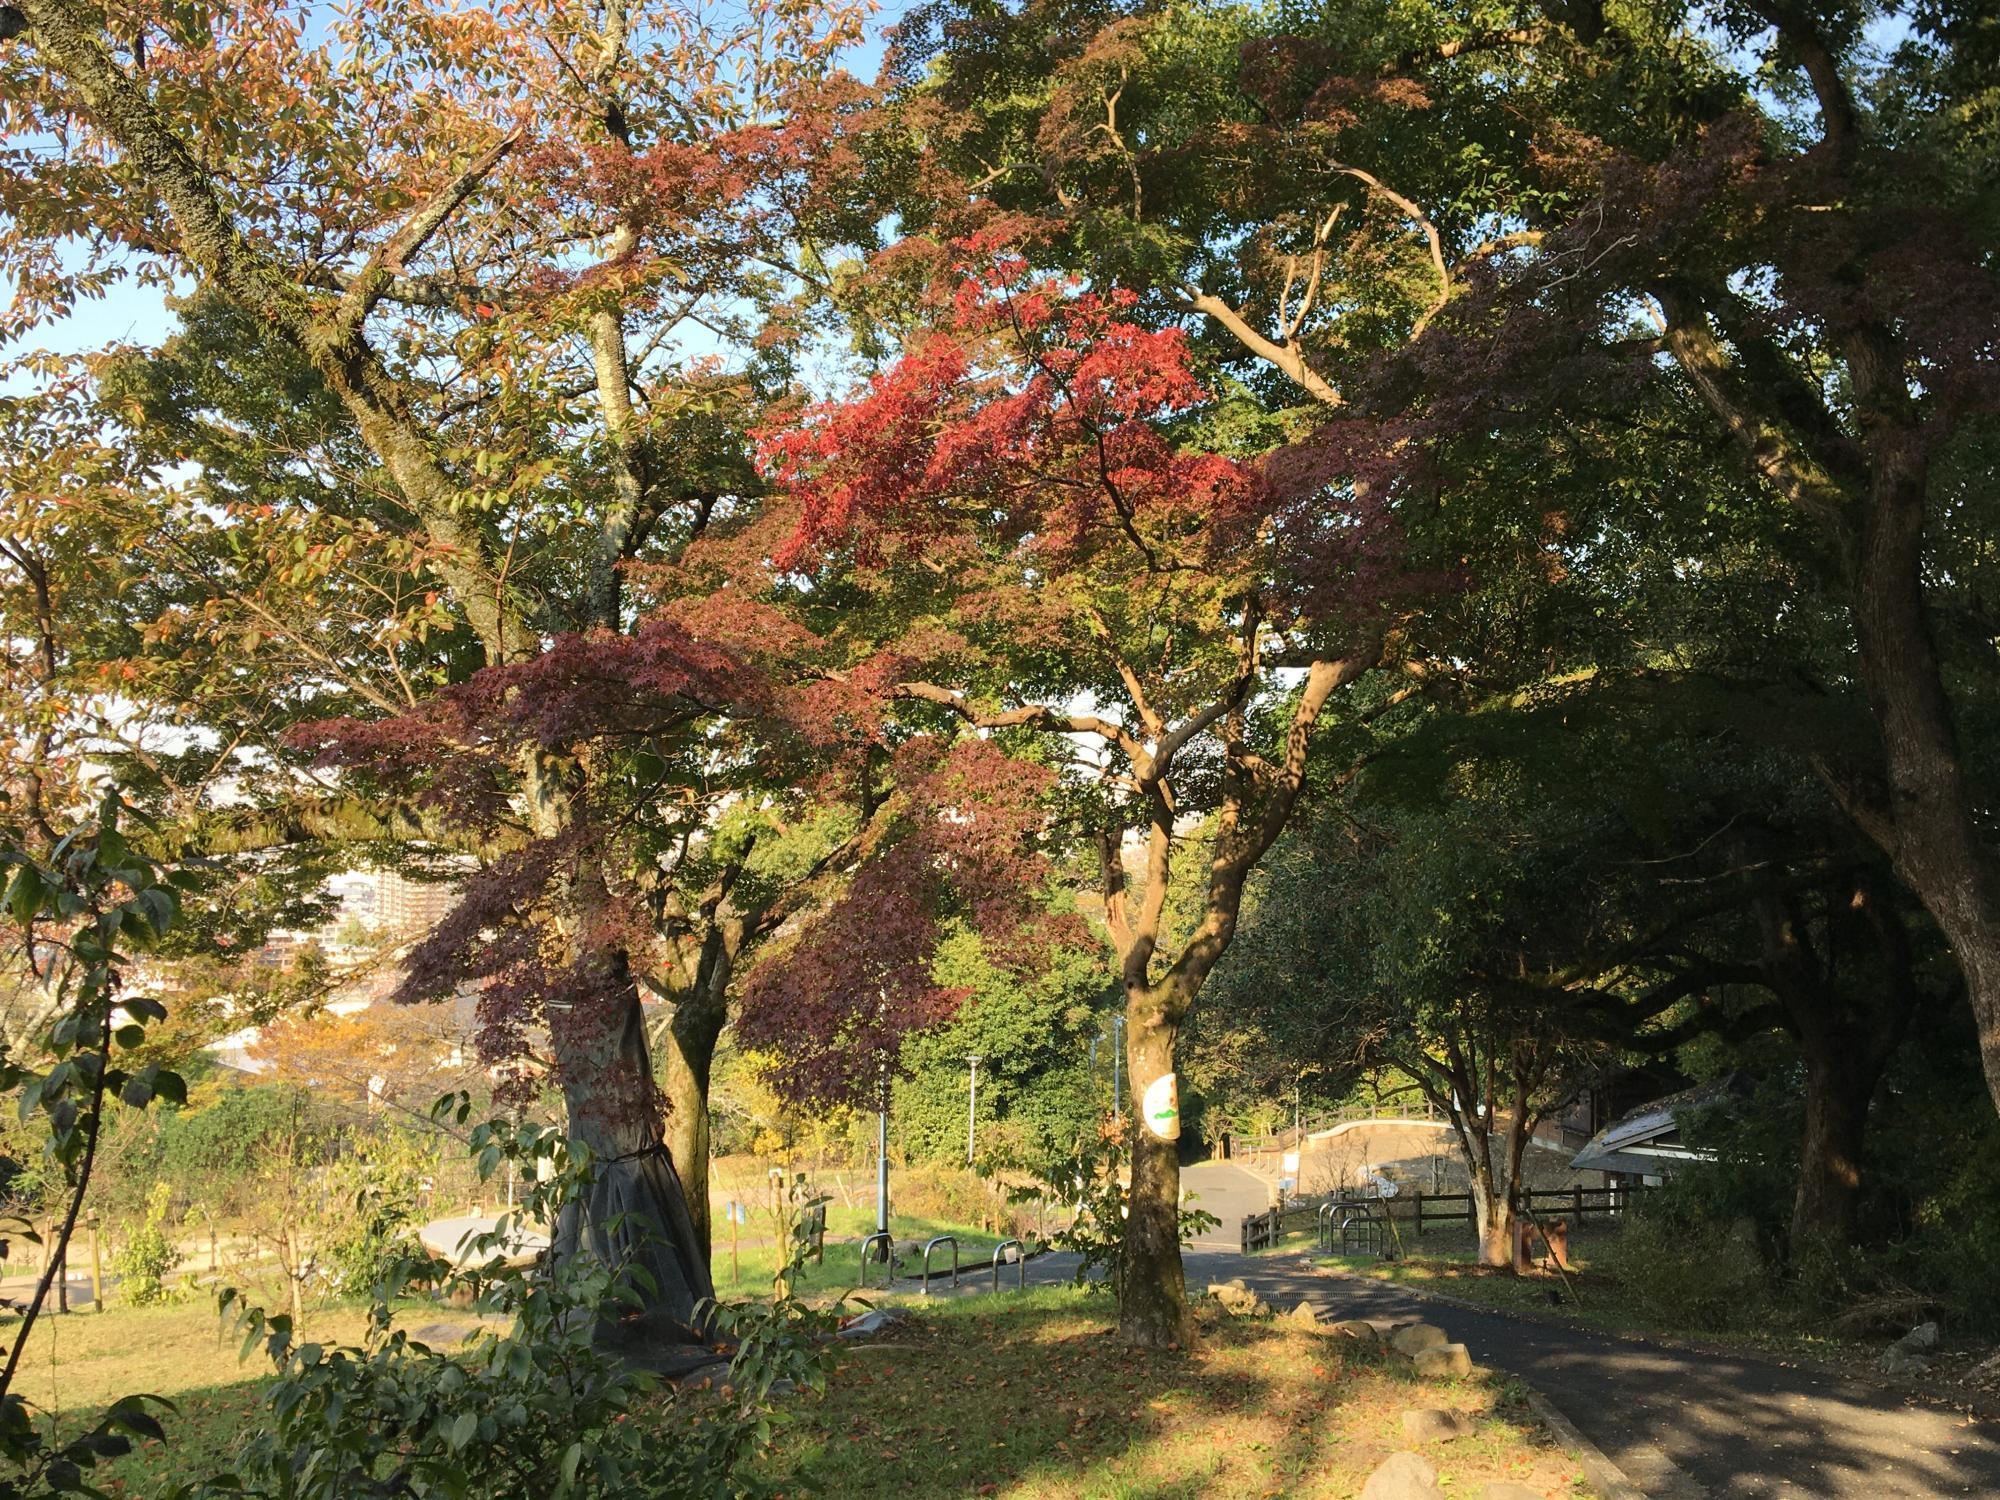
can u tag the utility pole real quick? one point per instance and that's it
(973, 1060)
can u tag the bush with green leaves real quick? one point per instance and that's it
(1689, 1273)
(1033, 1037)
(532, 1409)
(378, 1181)
(148, 1255)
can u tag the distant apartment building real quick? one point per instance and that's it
(406, 908)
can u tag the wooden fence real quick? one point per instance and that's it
(1263, 1231)
(1573, 1202)
(1418, 1209)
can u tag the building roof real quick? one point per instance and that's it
(1648, 1139)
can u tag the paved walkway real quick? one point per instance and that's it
(1228, 1192)
(1682, 1425)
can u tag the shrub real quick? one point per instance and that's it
(1690, 1273)
(378, 1183)
(148, 1257)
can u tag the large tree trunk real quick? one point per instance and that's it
(1838, 1089)
(635, 1215)
(687, 1056)
(1152, 1287)
(1931, 833)
(1493, 1214)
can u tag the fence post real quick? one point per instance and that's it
(96, 1270)
(1579, 1205)
(1420, 1213)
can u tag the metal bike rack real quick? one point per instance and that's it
(1323, 1216)
(1020, 1260)
(888, 1257)
(943, 1239)
(1365, 1228)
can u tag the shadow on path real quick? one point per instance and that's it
(1681, 1424)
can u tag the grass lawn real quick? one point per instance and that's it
(1025, 1395)
(756, 1255)
(1030, 1396)
(78, 1363)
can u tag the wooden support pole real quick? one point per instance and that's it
(96, 1270)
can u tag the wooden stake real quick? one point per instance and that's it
(96, 1271)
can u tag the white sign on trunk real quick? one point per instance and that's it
(1162, 1108)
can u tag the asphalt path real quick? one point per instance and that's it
(1683, 1425)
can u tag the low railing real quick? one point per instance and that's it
(1323, 1223)
(1020, 1262)
(1287, 1137)
(888, 1257)
(943, 1239)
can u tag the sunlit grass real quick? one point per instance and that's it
(1032, 1396)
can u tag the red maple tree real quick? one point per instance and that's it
(1059, 557)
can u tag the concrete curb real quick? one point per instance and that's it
(1605, 1476)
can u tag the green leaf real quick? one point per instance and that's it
(463, 1429)
(159, 906)
(24, 894)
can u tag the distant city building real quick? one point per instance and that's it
(406, 908)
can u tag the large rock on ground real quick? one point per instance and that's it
(1898, 1360)
(1444, 1361)
(1237, 1299)
(1507, 1489)
(1403, 1476)
(1354, 1328)
(1434, 1426)
(1923, 1336)
(1304, 1315)
(1416, 1337)
(876, 1320)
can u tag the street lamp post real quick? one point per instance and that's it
(882, 1150)
(973, 1060)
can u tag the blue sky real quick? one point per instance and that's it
(135, 314)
